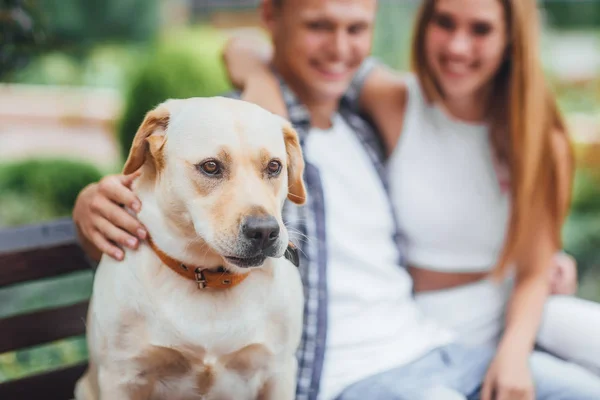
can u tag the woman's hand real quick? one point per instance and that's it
(563, 279)
(102, 222)
(509, 377)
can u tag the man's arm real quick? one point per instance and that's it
(247, 62)
(103, 225)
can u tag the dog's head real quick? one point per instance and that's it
(220, 171)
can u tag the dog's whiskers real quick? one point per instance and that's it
(299, 235)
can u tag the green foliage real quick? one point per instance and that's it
(107, 65)
(184, 64)
(568, 14)
(572, 99)
(21, 209)
(75, 25)
(586, 194)
(68, 30)
(581, 232)
(393, 33)
(19, 35)
(44, 187)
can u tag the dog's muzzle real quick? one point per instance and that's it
(258, 239)
(260, 233)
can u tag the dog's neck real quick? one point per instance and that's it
(172, 240)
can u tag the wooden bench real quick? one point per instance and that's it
(30, 254)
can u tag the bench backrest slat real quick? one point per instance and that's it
(29, 254)
(41, 251)
(43, 235)
(52, 385)
(31, 265)
(42, 327)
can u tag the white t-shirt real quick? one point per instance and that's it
(373, 322)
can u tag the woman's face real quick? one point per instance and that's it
(465, 44)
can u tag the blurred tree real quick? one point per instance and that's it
(569, 14)
(20, 33)
(32, 27)
(76, 25)
(183, 64)
(581, 232)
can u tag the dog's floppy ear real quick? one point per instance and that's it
(295, 165)
(149, 139)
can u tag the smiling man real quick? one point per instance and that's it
(319, 46)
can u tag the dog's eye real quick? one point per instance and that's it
(211, 168)
(274, 167)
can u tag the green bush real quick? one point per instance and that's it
(107, 65)
(20, 35)
(568, 14)
(581, 232)
(185, 64)
(582, 240)
(51, 186)
(586, 193)
(21, 209)
(76, 25)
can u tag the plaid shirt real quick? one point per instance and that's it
(307, 229)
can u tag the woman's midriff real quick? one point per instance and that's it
(425, 280)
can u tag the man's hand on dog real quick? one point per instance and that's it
(103, 223)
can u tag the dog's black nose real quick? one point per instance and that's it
(262, 232)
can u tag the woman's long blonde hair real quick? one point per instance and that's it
(524, 121)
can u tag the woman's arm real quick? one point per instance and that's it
(383, 97)
(532, 286)
(247, 62)
(509, 373)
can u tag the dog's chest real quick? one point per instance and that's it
(183, 374)
(225, 342)
(219, 321)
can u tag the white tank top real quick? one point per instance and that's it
(445, 188)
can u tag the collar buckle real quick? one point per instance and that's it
(200, 279)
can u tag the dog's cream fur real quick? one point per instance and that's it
(153, 334)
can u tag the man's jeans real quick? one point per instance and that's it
(456, 372)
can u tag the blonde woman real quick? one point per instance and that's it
(481, 171)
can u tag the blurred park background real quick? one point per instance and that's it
(76, 77)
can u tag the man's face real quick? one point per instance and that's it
(319, 44)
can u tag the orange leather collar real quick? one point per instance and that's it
(220, 279)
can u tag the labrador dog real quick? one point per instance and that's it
(210, 306)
